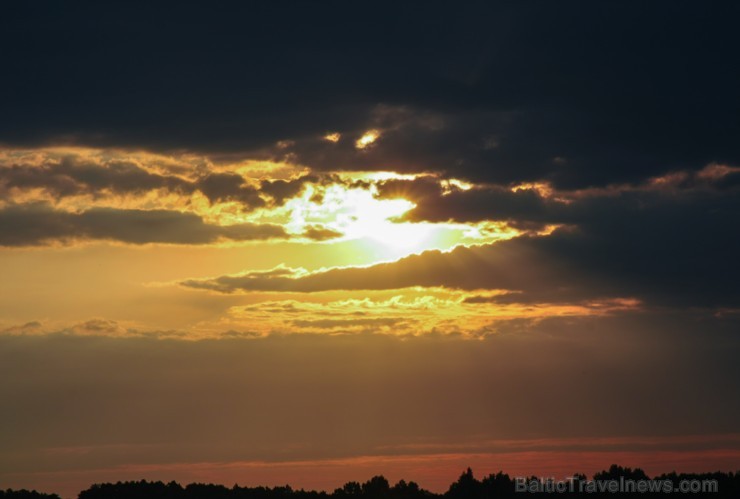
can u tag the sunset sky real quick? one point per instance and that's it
(312, 242)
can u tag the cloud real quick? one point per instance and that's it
(40, 224)
(228, 187)
(406, 312)
(281, 190)
(508, 93)
(438, 200)
(675, 251)
(373, 324)
(487, 202)
(102, 173)
(318, 233)
(510, 265)
(74, 175)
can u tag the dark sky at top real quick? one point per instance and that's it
(578, 93)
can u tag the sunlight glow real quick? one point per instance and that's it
(455, 183)
(357, 214)
(367, 139)
(377, 176)
(545, 190)
(368, 226)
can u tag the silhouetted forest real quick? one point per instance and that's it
(25, 494)
(499, 485)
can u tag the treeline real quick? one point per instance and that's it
(25, 494)
(499, 485)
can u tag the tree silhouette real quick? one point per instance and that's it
(377, 486)
(466, 487)
(494, 486)
(498, 485)
(25, 494)
(616, 472)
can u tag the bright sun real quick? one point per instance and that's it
(372, 219)
(371, 223)
(358, 214)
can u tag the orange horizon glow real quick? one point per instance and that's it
(434, 472)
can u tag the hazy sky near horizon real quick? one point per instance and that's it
(307, 243)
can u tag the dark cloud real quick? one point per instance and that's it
(489, 202)
(665, 250)
(71, 174)
(280, 190)
(219, 187)
(39, 224)
(417, 190)
(688, 193)
(510, 265)
(586, 93)
(317, 233)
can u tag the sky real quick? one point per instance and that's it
(312, 242)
